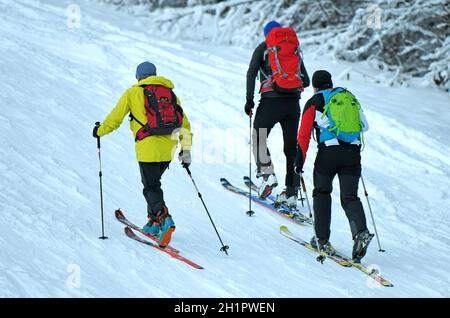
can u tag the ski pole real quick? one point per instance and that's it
(302, 184)
(321, 258)
(250, 212)
(224, 248)
(103, 237)
(302, 198)
(371, 214)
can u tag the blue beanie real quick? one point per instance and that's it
(269, 26)
(145, 70)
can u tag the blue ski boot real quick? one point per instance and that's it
(152, 228)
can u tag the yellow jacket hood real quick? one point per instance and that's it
(155, 80)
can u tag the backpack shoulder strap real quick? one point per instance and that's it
(131, 116)
(327, 95)
(264, 64)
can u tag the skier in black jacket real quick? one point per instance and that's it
(274, 107)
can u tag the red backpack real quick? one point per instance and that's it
(164, 115)
(283, 50)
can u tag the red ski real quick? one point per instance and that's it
(168, 250)
(121, 217)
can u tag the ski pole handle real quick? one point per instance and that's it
(97, 124)
(188, 171)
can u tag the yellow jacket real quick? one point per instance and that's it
(152, 148)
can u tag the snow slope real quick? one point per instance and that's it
(57, 81)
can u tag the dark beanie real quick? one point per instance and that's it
(145, 70)
(322, 79)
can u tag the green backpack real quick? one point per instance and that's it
(343, 112)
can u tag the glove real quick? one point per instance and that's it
(185, 157)
(94, 132)
(298, 165)
(249, 106)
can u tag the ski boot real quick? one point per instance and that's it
(269, 182)
(167, 228)
(152, 228)
(360, 244)
(287, 198)
(324, 249)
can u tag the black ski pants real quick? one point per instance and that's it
(151, 173)
(273, 110)
(345, 161)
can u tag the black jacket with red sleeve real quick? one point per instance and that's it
(307, 124)
(260, 63)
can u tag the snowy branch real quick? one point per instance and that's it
(408, 37)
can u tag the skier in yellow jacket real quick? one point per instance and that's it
(156, 139)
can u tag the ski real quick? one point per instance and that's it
(249, 183)
(339, 258)
(286, 233)
(129, 232)
(168, 249)
(121, 217)
(272, 199)
(293, 216)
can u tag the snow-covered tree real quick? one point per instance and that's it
(406, 36)
(409, 37)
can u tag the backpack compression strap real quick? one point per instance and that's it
(326, 132)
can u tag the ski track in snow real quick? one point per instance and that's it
(57, 81)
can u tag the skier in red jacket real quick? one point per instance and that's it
(334, 157)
